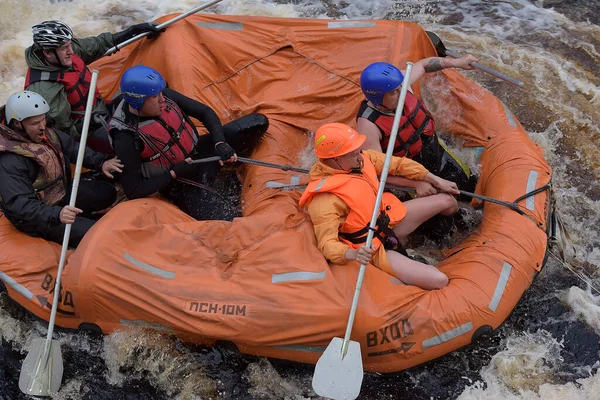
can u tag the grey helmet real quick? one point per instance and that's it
(51, 34)
(25, 104)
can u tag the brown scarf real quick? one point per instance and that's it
(50, 184)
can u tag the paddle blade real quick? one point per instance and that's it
(338, 378)
(41, 375)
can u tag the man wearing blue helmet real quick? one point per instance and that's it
(155, 140)
(57, 70)
(381, 83)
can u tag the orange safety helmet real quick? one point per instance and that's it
(336, 139)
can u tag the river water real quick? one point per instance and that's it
(548, 348)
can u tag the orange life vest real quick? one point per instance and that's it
(359, 192)
(415, 122)
(168, 138)
(77, 84)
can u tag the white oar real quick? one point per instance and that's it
(339, 372)
(41, 373)
(161, 26)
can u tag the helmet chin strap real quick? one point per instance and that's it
(58, 58)
(353, 170)
(338, 164)
(19, 125)
(384, 109)
(58, 62)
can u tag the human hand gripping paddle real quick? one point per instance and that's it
(161, 26)
(42, 369)
(443, 52)
(339, 372)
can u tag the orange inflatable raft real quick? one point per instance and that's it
(260, 282)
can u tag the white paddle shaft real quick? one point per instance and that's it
(65, 243)
(161, 26)
(373, 224)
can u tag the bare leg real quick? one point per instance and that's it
(415, 273)
(421, 209)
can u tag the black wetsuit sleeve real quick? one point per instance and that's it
(201, 112)
(18, 195)
(91, 159)
(134, 183)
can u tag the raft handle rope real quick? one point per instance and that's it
(579, 275)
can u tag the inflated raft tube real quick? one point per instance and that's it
(260, 282)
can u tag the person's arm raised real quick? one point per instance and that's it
(434, 64)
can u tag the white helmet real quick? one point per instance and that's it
(51, 34)
(25, 104)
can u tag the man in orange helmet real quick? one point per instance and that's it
(341, 196)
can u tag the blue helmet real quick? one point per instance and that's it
(140, 82)
(378, 79)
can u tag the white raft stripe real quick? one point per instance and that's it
(511, 119)
(351, 24)
(284, 186)
(17, 287)
(150, 268)
(304, 349)
(139, 322)
(449, 335)
(294, 184)
(500, 286)
(297, 276)
(225, 26)
(531, 184)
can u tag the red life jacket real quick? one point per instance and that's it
(77, 84)
(415, 121)
(359, 192)
(168, 138)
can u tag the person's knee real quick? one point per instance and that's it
(79, 229)
(249, 124)
(256, 124)
(439, 281)
(105, 193)
(449, 204)
(260, 121)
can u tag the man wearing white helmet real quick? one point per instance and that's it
(58, 71)
(35, 173)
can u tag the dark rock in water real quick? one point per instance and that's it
(576, 10)
(453, 18)
(10, 365)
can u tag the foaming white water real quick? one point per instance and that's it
(259, 7)
(584, 305)
(525, 370)
(145, 353)
(518, 17)
(22, 333)
(505, 35)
